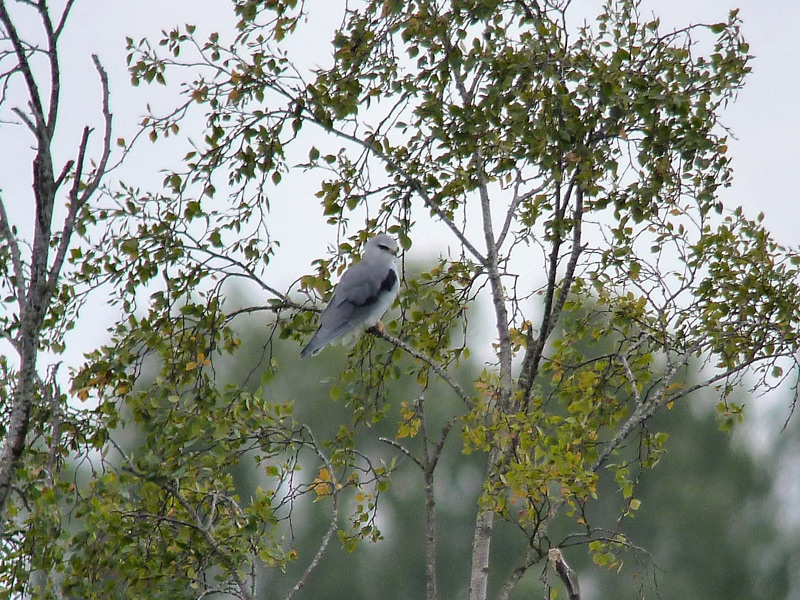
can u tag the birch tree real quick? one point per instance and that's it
(37, 242)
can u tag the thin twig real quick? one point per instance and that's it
(402, 449)
(27, 71)
(437, 368)
(16, 257)
(334, 526)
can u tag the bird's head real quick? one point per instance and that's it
(381, 244)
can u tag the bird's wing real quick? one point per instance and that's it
(360, 286)
(356, 297)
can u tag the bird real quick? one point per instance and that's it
(362, 296)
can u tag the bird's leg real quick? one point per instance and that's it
(379, 327)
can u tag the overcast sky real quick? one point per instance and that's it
(765, 117)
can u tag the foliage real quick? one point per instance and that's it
(593, 152)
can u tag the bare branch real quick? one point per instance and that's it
(16, 257)
(77, 198)
(565, 572)
(100, 170)
(55, 71)
(632, 379)
(518, 199)
(402, 449)
(437, 368)
(320, 551)
(64, 173)
(63, 20)
(25, 119)
(532, 555)
(25, 68)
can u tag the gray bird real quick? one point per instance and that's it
(364, 293)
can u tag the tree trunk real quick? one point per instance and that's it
(479, 576)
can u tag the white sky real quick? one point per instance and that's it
(765, 118)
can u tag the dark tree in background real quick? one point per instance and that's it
(573, 167)
(706, 528)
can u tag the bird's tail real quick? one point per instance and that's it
(313, 347)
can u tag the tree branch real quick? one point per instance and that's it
(565, 572)
(102, 164)
(334, 518)
(321, 550)
(77, 198)
(16, 257)
(63, 20)
(429, 461)
(532, 555)
(402, 449)
(553, 306)
(437, 368)
(55, 72)
(515, 202)
(25, 69)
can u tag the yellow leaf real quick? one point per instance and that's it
(322, 484)
(191, 365)
(408, 428)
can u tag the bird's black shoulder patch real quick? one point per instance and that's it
(369, 294)
(388, 282)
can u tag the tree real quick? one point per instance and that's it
(721, 497)
(703, 519)
(577, 169)
(37, 248)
